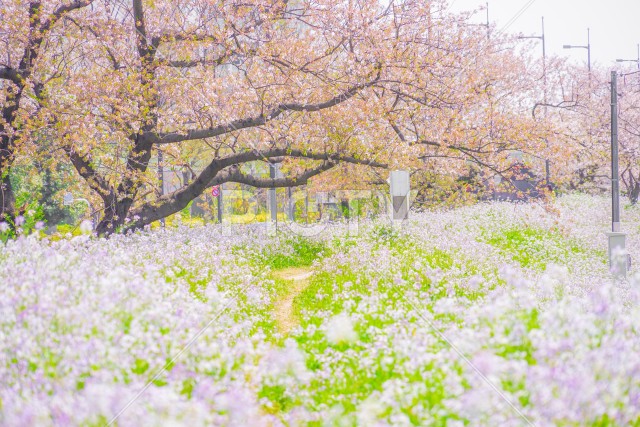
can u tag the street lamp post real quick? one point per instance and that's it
(161, 177)
(69, 199)
(637, 61)
(540, 37)
(487, 24)
(547, 164)
(588, 47)
(619, 259)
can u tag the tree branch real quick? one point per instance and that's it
(173, 137)
(254, 155)
(142, 43)
(110, 53)
(235, 175)
(190, 63)
(7, 73)
(222, 170)
(91, 176)
(61, 11)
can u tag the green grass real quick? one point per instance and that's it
(532, 247)
(294, 251)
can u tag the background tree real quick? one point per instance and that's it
(301, 80)
(629, 133)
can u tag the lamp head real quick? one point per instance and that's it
(67, 199)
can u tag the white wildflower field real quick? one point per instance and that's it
(494, 315)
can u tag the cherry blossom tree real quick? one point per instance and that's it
(303, 80)
(209, 86)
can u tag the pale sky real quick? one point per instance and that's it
(614, 24)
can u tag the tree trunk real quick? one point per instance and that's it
(114, 217)
(7, 197)
(634, 193)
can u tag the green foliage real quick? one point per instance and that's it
(277, 395)
(186, 211)
(240, 206)
(25, 223)
(292, 251)
(140, 366)
(533, 248)
(38, 188)
(188, 386)
(67, 228)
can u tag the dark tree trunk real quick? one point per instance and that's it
(115, 217)
(7, 197)
(634, 193)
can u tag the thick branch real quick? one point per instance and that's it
(149, 213)
(10, 74)
(250, 156)
(88, 172)
(141, 29)
(168, 138)
(180, 37)
(190, 63)
(235, 175)
(61, 11)
(215, 173)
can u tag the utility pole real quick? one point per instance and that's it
(290, 205)
(488, 28)
(637, 61)
(487, 25)
(547, 163)
(220, 206)
(588, 47)
(615, 184)
(619, 259)
(273, 202)
(161, 177)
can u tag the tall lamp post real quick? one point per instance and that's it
(486, 24)
(588, 47)
(69, 199)
(161, 177)
(547, 164)
(619, 259)
(637, 61)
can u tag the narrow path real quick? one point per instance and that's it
(285, 319)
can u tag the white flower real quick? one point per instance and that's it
(4, 227)
(369, 411)
(86, 227)
(19, 220)
(340, 329)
